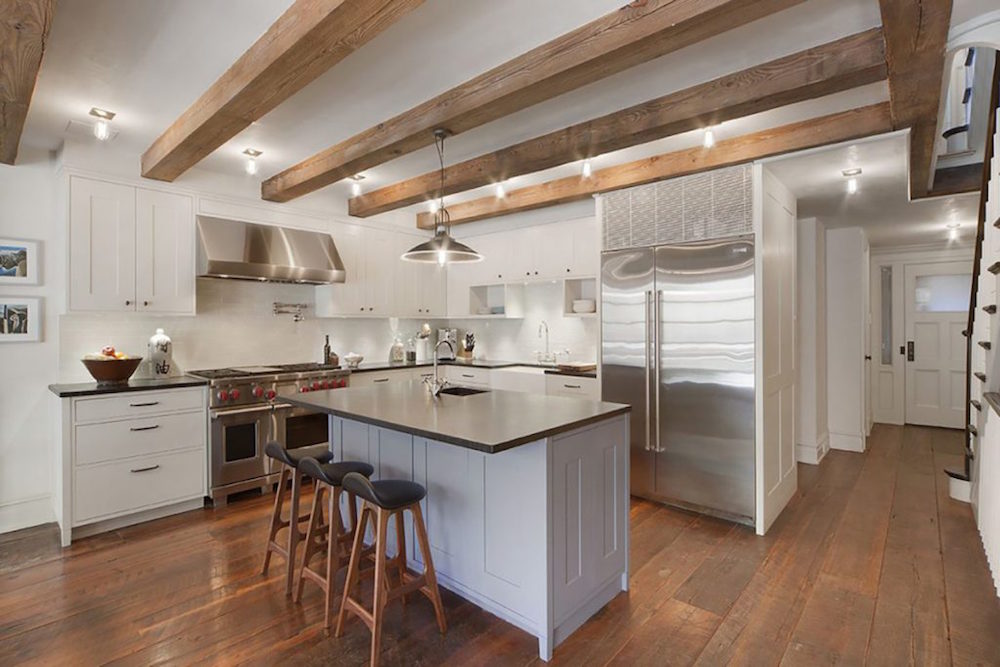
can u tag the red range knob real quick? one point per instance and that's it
(235, 394)
(326, 384)
(258, 392)
(341, 383)
(223, 395)
(271, 394)
(303, 390)
(315, 385)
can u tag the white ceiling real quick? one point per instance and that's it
(148, 60)
(881, 206)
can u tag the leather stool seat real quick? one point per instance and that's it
(292, 457)
(333, 473)
(388, 494)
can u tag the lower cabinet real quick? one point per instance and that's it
(125, 456)
(535, 534)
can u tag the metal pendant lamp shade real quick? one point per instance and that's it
(442, 249)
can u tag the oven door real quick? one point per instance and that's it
(301, 427)
(238, 439)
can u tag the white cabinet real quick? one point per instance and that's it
(164, 251)
(574, 387)
(378, 282)
(525, 379)
(130, 457)
(468, 376)
(371, 378)
(101, 246)
(130, 249)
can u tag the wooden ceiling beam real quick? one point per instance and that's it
(308, 39)
(916, 35)
(24, 29)
(840, 65)
(835, 128)
(636, 33)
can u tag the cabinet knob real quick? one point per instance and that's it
(370, 309)
(362, 309)
(127, 302)
(145, 303)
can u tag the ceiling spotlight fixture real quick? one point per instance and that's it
(709, 139)
(856, 171)
(852, 179)
(102, 128)
(952, 228)
(501, 193)
(587, 169)
(442, 249)
(432, 206)
(252, 155)
(356, 185)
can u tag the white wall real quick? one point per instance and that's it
(846, 307)
(812, 432)
(27, 416)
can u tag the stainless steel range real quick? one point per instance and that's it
(247, 412)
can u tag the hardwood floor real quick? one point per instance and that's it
(870, 563)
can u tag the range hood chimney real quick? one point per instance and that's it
(248, 251)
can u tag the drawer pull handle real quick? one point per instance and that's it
(143, 428)
(143, 405)
(146, 469)
(572, 386)
(382, 380)
(468, 375)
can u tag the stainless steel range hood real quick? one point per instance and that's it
(248, 251)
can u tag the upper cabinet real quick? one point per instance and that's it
(378, 282)
(130, 249)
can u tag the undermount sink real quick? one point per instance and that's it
(462, 391)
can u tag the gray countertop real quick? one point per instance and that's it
(475, 363)
(490, 422)
(95, 389)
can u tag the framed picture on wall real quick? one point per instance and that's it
(21, 321)
(18, 262)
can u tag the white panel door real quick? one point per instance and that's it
(101, 246)
(165, 281)
(937, 302)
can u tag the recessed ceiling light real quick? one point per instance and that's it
(709, 139)
(953, 225)
(356, 185)
(501, 192)
(102, 129)
(856, 171)
(252, 155)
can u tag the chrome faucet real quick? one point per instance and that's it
(435, 383)
(545, 357)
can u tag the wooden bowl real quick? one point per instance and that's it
(112, 371)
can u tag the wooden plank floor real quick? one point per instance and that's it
(871, 563)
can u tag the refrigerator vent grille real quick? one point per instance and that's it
(711, 205)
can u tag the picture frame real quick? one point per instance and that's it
(20, 319)
(19, 262)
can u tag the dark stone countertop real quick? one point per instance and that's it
(489, 422)
(95, 389)
(476, 363)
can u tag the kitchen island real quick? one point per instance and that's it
(527, 496)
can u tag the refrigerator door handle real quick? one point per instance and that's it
(646, 342)
(656, 360)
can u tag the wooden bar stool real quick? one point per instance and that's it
(333, 538)
(289, 460)
(380, 501)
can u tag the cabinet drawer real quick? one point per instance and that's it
(566, 385)
(468, 376)
(374, 378)
(136, 437)
(138, 404)
(130, 486)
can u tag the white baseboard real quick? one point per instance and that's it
(847, 442)
(812, 454)
(25, 513)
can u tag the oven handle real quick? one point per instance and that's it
(229, 413)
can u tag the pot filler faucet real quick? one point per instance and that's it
(435, 383)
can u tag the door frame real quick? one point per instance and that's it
(895, 374)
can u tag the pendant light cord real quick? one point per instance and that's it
(442, 218)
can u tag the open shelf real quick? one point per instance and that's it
(578, 288)
(496, 301)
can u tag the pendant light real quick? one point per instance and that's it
(442, 249)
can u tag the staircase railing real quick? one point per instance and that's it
(970, 429)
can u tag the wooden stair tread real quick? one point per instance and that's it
(976, 404)
(981, 376)
(991, 309)
(994, 268)
(985, 344)
(973, 430)
(956, 474)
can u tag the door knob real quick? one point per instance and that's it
(868, 357)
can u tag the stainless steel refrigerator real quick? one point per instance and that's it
(677, 339)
